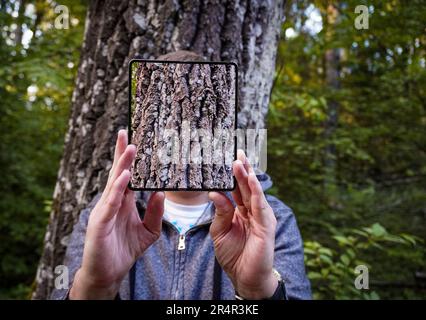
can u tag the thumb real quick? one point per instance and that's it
(223, 216)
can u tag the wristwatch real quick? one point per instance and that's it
(280, 292)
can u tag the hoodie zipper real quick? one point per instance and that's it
(182, 237)
(181, 243)
(181, 246)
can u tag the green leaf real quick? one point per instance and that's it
(326, 251)
(314, 275)
(345, 259)
(326, 259)
(377, 230)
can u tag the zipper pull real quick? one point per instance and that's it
(181, 245)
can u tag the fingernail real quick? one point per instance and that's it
(241, 152)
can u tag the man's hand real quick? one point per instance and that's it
(244, 237)
(116, 236)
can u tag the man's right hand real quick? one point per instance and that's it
(116, 236)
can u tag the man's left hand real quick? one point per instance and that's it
(244, 236)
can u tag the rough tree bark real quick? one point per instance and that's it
(180, 112)
(242, 31)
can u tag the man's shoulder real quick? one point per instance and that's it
(279, 207)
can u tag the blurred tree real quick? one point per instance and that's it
(332, 80)
(37, 65)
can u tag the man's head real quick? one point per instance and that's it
(181, 55)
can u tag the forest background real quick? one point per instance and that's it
(346, 139)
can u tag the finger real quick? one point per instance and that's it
(115, 196)
(242, 180)
(259, 206)
(154, 213)
(223, 215)
(128, 206)
(123, 163)
(236, 195)
(120, 146)
(243, 158)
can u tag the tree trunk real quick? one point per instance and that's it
(332, 80)
(245, 32)
(19, 22)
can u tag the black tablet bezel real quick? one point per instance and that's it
(129, 131)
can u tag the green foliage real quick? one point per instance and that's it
(36, 82)
(332, 269)
(369, 166)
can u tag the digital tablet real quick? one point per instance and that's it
(182, 120)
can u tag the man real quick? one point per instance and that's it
(243, 245)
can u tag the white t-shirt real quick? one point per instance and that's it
(183, 217)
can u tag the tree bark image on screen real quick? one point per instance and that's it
(183, 121)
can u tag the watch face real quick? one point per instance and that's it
(182, 120)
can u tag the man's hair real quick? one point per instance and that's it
(181, 55)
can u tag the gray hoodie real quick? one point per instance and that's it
(184, 267)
